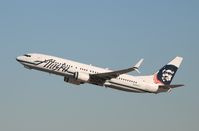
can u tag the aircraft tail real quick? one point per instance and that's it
(166, 74)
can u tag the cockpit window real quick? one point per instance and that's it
(27, 55)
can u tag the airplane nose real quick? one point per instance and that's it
(19, 58)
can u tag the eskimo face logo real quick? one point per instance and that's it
(166, 74)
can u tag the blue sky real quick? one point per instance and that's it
(113, 34)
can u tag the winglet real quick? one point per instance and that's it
(138, 65)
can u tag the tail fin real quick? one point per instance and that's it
(166, 74)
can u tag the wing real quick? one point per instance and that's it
(114, 74)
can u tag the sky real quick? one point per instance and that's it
(112, 34)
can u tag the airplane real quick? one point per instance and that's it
(79, 73)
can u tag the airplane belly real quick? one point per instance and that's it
(123, 87)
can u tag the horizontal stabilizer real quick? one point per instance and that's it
(170, 86)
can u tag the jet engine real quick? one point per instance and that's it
(78, 78)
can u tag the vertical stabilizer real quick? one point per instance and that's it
(166, 74)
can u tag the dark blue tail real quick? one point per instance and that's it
(166, 74)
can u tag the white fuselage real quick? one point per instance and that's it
(78, 73)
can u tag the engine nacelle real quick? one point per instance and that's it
(78, 78)
(82, 77)
(71, 80)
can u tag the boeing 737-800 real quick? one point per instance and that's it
(78, 73)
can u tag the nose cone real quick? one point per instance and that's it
(19, 58)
